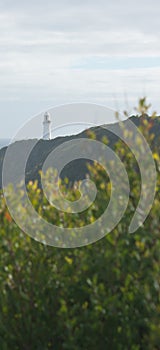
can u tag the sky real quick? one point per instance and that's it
(59, 52)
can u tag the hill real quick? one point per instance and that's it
(77, 169)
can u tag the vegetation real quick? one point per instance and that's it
(102, 296)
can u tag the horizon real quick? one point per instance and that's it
(6, 141)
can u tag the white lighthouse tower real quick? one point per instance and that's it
(47, 126)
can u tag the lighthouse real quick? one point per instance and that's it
(47, 126)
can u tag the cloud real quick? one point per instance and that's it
(66, 51)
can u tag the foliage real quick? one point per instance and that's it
(102, 296)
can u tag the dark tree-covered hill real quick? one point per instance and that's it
(77, 169)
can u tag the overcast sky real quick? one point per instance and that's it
(56, 52)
